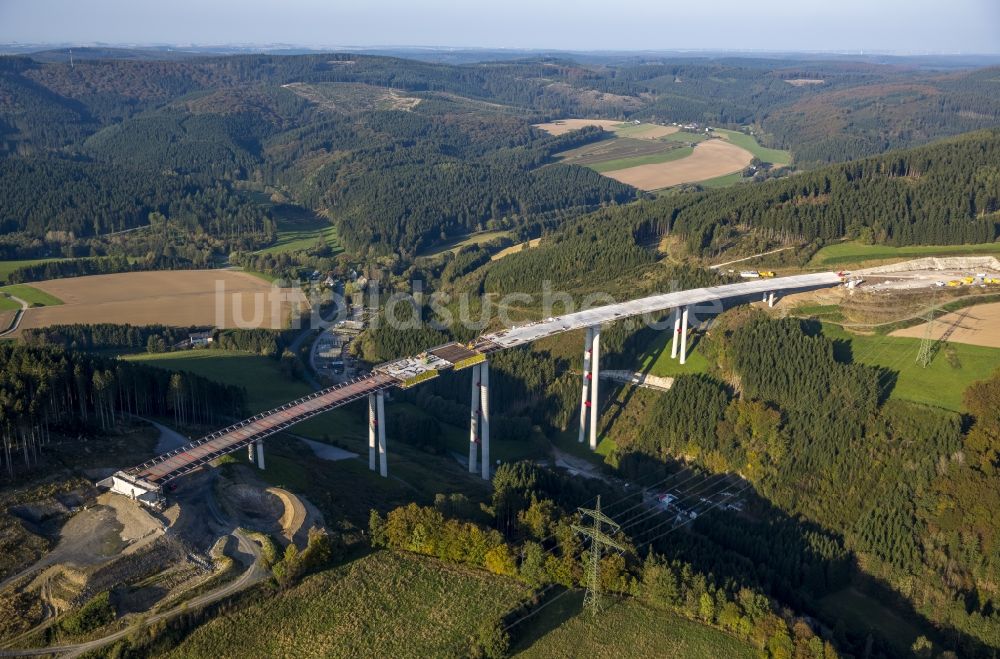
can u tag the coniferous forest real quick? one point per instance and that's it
(406, 171)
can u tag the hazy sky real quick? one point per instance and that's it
(967, 26)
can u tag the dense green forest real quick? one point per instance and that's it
(46, 392)
(904, 488)
(944, 193)
(405, 155)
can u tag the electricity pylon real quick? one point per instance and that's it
(599, 540)
(926, 353)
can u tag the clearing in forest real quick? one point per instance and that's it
(177, 297)
(563, 126)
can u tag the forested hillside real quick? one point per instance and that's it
(404, 155)
(904, 488)
(943, 193)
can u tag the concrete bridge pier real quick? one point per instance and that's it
(770, 299)
(383, 466)
(677, 332)
(250, 452)
(484, 404)
(372, 425)
(595, 372)
(260, 453)
(684, 335)
(588, 346)
(475, 401)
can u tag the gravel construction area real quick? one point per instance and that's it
(326, 451)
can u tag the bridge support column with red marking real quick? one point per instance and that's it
(260, 453)
(383, 466)
(484, 404)
(684, 335)
(677, 333)
(588, 346)
(372, 424)
(476, 401)
(595, 373)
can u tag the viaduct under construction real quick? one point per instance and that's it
(145, 482)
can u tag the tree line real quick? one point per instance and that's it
(46, 392)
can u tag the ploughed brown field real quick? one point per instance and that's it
(978, 326)
(710, 158)
(6, 318)
(223, 298)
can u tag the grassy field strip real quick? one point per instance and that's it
(941, 384)
(854, 252)
(723, 181)
(302, 234)
(31, 295)
(652, 159)
(749, 142)
(465, 241)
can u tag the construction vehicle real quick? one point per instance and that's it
(954, 283)
(754, 274)
(968, 280)
(766, 273)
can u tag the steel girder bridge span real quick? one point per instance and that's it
(145, 482)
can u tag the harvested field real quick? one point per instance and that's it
(563, 126)
(978, 326)
(6, 318)
(179, 298)
(710, 159)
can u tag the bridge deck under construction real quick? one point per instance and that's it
(410, 371)
(191, 456)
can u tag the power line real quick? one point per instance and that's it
(568, 591)
(599, 540)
